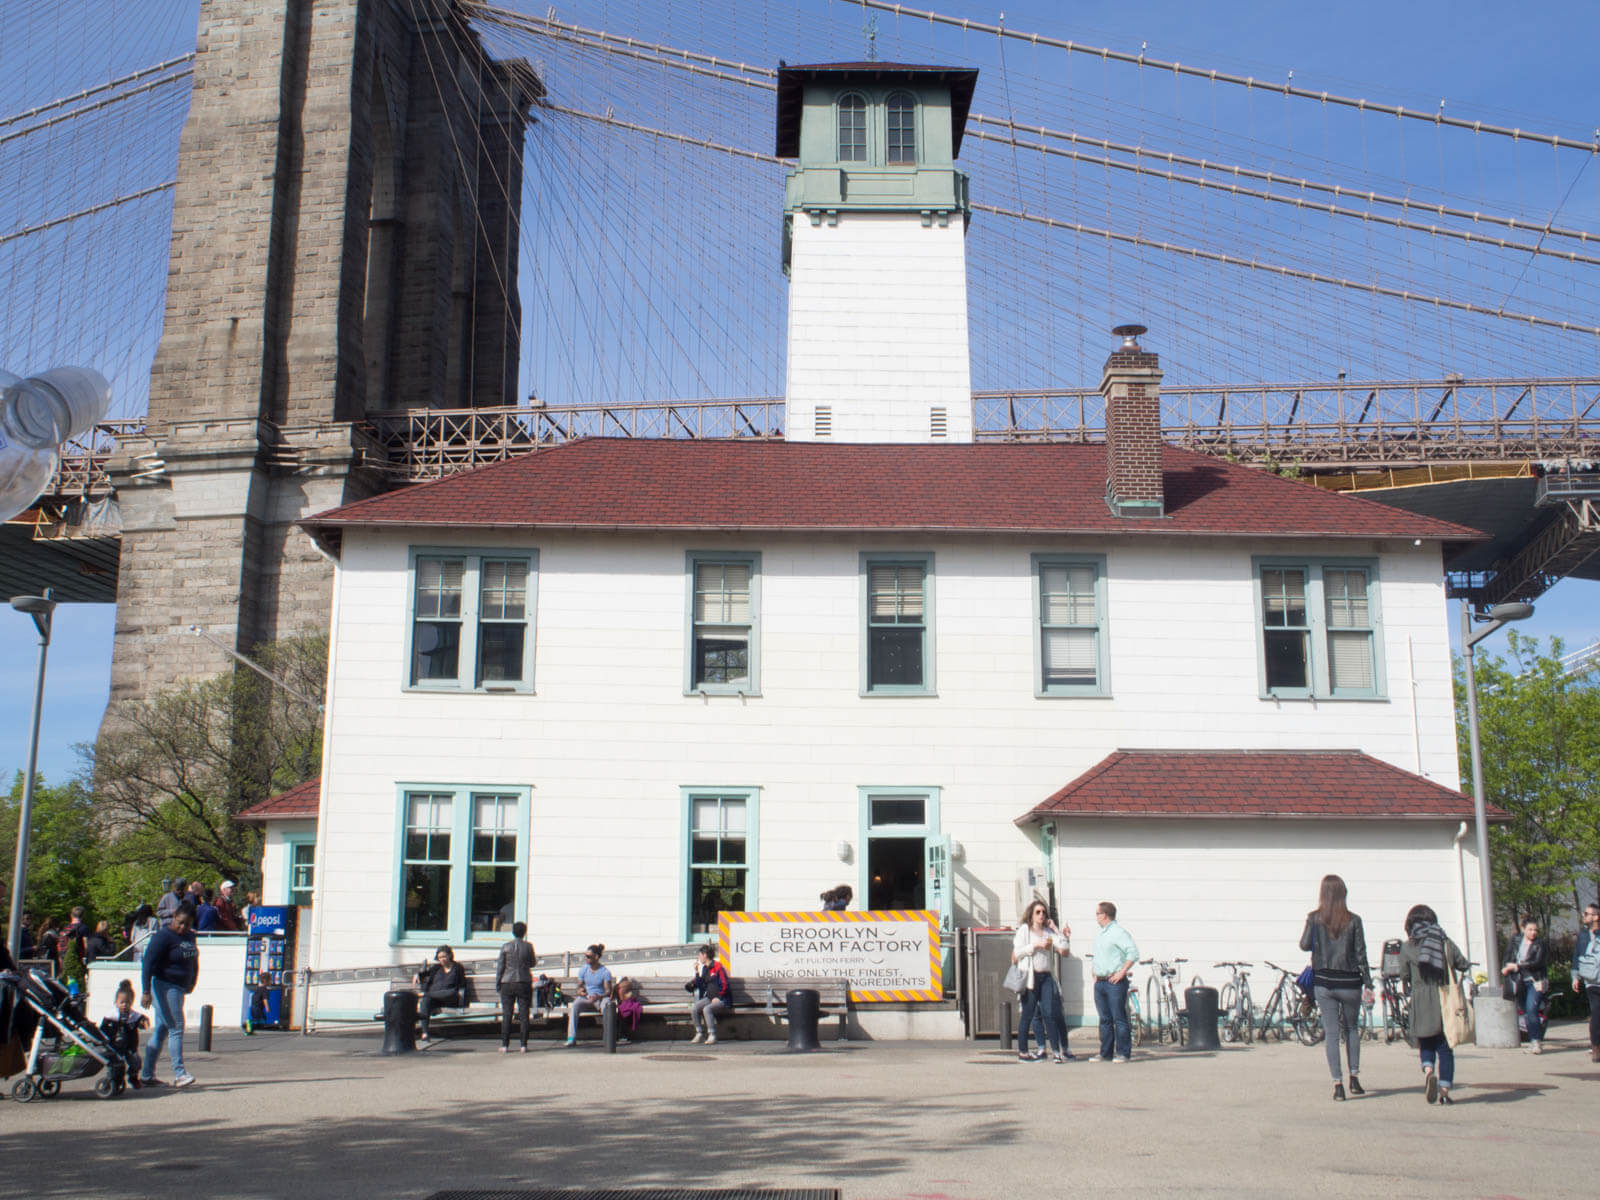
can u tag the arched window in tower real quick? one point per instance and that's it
(852, 128)
(902, 128)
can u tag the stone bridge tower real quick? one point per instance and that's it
(344, 240)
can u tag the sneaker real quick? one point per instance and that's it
(1537, 1048)
(1121, 1058)
(1430, 1086)
(1024, 1058)
(1040, 1055)
(183, 1081)
(507, 1049)
(1056, 1058)
(572, 1042)
(524, 1049)
(152, 1082)
(1594, 1053)
(422, 1037)
(697, 1038)
(1098, 1058)
(711, 1039)
(1444, 1096)
(1338, 1091)
(1355, 1087)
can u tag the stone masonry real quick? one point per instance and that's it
(344, 241)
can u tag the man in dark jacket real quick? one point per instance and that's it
(168, 904)
(513, 979)
(170, 970)
(1586, 973)
(227, 915)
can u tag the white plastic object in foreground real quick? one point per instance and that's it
(24, 473)
(44, 410)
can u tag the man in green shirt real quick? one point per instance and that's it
(1114, 956)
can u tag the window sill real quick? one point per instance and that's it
(722, 693)
(1279, 697)
(444, 690)
(898, 694)
(1086, 694)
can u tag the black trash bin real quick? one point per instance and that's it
(805, 1009)
(1202, 1005)
(399, 1023)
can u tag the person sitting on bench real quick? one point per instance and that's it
(595, 985)
(712, 995)
(441, 983)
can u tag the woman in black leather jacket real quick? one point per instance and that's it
(1342, 980)
(441, 983)
(1527, 973)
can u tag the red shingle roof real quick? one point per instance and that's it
(1304, 784)
(297, 803)
(619, 484)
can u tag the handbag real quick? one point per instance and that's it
(1454, 1010)
(1016, 979)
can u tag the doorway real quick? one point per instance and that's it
(897, 826)
(895, 873)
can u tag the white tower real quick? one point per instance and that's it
(874, 243)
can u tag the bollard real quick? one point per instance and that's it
(608, 1024)
(205, 1028)
(1201, 1003)
(399, 1023)
(1005, 1025)
(805, 1007)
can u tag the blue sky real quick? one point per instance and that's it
(100, 301)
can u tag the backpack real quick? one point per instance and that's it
(1587, 965)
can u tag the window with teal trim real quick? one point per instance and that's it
(302, 871)
(852, 128)
(723, 607)
(1071, 635)
(897, 632)
(1319, 628)
(719, 859)
(471, 621)
(902, 128)
(463, 861)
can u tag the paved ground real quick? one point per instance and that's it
(278, 1115)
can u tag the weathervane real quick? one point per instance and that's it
(871, 30)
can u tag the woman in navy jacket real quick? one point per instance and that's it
(1527, 970)
(169, 972)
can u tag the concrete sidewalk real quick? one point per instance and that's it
(278, 1115)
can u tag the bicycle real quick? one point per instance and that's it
(1288, 1005)
(1396, 995)
(1161, 1000)
(1135, 1018)
(1238, 1015)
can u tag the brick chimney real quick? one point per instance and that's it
(1131, 385)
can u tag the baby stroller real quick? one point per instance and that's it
(65, 1046)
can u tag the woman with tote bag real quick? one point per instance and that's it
(1438, 1006)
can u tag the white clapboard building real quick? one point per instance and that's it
(616, 686)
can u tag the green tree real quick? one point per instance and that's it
(1539, 725)
(64, 845)
(171, 773)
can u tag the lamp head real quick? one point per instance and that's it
(34, 604)
(1514, 610)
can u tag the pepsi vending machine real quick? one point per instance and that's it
(268, 968)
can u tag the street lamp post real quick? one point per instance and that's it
(1496, 1016)
(41, 609)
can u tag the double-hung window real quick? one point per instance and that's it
(720, 829)
(902, 128)
(463, 859)
(302, 856)
(724, 608)
(898, 619)
(1320, 634)
(852, 128)
(1070, 597)
(471, 620)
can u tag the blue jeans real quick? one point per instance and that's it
(1434, 1046)
(1040, 1005)
(166, 1026)
(1529, 998)
(1111, 1002)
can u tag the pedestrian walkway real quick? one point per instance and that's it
(278, 1115)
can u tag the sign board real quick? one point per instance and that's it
(886, 956)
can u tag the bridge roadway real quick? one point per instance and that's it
(1516, 458)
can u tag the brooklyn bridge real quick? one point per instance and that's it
(331, 249)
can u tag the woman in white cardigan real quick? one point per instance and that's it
(1037, 941)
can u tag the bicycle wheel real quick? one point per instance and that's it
(1152, 1008)
(1269, 1016)
(1246, 1012)
(1308, 1028)
(1135, 1018)
(1227, 998)
(1174, 1019)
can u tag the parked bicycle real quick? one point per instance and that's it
(1238, 1015)
(1135, 1017)
(1161, 1001)
(1290, 1008)
(1396, 995)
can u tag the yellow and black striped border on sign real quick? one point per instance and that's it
(933, 991)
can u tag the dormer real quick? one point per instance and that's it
(873, 137)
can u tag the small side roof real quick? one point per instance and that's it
(296, 804)
(792, 81)
(1294, 784)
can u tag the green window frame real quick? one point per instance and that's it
(461, 857)
(722, 632)
(852, 132)
(299, 868)
(470, 619)
(897, 626)
(720, 855)
(884, 812)
(1071, 642)
(1319, 629)
(901, 117)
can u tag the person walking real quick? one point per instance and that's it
(439, 984)
(228, 918)
(513, 979)
(168, 904)
(1422, 961)
(1034, 947)
(713, 994)
(1586, 973)
(1114, 956)
(170, 970)
(594, 990)
(1341, 978)
(1527, 972)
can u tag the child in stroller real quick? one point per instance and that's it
(65, 1046)
(121, 1030)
